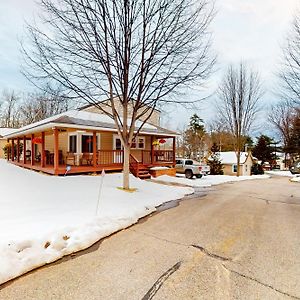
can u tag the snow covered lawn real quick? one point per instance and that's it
(43, 218)
(207, 181)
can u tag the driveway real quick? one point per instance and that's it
(235, 241)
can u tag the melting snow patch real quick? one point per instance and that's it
(207, 181)
(43, 218)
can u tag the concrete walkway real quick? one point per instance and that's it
(240, 241)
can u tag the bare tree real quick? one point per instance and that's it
(38, 106)
(281, 116)
(134, 52)
(239, 95)
(9, 114)
(290, 73)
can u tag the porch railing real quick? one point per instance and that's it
(134, 165)
(110, 157)
(163, 156)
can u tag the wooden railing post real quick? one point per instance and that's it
(174, 151)
(32, 149)
(12, 150)
(94, 149)
(152, 150)
(24, 150)
(56, 158)
(43, 150)
(18, 149)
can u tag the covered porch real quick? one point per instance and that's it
(65, 150)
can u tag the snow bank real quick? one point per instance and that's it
(43, 218)
(280, 173)
(207, 181)
(159, 168)
(295, 179)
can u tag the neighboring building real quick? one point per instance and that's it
(88, 140)
(3, 141)
(229, 162)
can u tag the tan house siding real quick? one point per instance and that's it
(227, 169)
(106, 140)
(154, 119)
(245, 168)
(2, 145)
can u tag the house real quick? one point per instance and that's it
(3, 141)
(229, 162)
(87, 140)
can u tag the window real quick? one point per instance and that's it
(138, 143)
(178, 162)
(86, 143)
(36, 150)
(234, 168)
(82, 142)
(189, 162)
(73, 143)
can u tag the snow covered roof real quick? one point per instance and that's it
(5, 131)
(230, 157)
(85, 120)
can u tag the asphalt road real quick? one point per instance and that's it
(240, 241)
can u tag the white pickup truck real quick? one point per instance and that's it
(190, 168)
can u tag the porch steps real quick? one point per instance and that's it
(138, 169)
(144, 173)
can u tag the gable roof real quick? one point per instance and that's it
(85, 120)
(230, 157)
(86, 106)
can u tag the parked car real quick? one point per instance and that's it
(188, 167)
(295, 168)
(205, 169)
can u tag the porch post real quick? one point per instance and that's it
(56, 158)
(94, 149)
(18, 149)
(32, 150)
(24, 150)
(12, 150)
(152, 150)
(174, 151)
(43, 150)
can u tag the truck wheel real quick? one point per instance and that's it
(199, 175)
(189, 174)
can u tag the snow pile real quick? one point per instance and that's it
(280, 173)
(295, 179)
(43, 218)
(207, 181)
(159, 168)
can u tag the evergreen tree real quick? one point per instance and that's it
(263, 149)
(193, 137)
(214, 162)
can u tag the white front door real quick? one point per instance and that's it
(117, 145)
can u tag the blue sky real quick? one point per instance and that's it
(248, 30)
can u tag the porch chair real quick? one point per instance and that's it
(70, 158)
(87, 158)
(28, 155)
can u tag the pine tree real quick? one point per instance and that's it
(193, 137)
(263, 149)
(214, 162)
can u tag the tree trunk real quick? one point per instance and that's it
(238, 156)
(126, 185)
